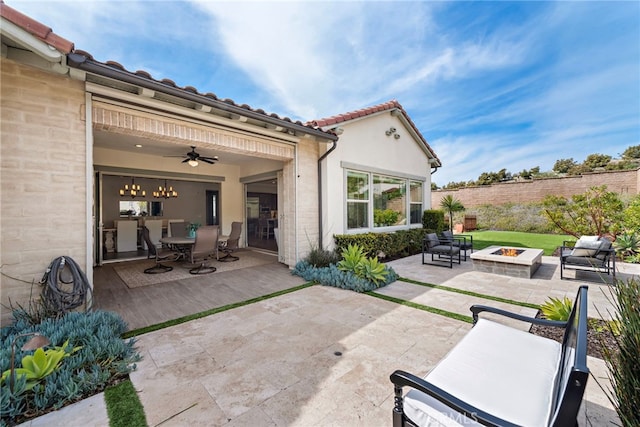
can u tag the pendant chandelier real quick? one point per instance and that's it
(165, 192)
(132, 190)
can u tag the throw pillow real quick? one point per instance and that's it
(586, 246)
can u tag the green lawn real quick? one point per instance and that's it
(547, 242)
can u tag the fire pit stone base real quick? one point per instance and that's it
(523, 265)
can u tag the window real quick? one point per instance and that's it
(389, 201)
(377, 201)
(357, 200)
(415, 198)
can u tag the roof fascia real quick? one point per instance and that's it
(82, 62)
(416, 137)
(30, 42)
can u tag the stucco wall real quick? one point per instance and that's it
(364, 142)
(626, 183)
(42, 177)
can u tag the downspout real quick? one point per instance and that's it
(434, 169)
(338, 131)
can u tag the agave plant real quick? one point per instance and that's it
(557, 309)
(627, 245)
(372, 270)
(352, 256)
(40, 364)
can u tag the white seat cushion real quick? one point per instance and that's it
(506, 372)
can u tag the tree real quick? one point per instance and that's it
(631, 153)
(594, 161)
(564, 165)
(451, 205)
(596, 212)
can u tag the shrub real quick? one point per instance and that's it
(354, 261)
(385, 217)
(102, 358)
(433, 221)
(527, 218)
(332, 276)
(622, 361)
(384, 245)
(322, 257)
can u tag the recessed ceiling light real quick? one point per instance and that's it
(138, 145)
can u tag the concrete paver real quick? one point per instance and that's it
(319, 356)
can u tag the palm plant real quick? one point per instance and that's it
(451, 205)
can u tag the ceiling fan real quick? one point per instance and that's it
(192, 158)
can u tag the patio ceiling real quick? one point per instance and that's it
(127, 143)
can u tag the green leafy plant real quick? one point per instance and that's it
(321, 257)
(557, 309)
(622, 359)
(594, 213)
(193, 226)
(352, 256)
(371, 269)
(385, 217)
(451, 205)
(627, 245)
(102, 357)
(40, 364)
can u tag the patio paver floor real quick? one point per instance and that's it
(274, 362)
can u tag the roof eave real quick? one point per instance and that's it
(82, 62)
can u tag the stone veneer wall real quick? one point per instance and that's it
(626, 183)
(42, 177)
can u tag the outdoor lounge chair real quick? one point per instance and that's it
(463, 241)
(231, 244)
(159, 253)
(204, 248)
(590, 253)
(443, 252)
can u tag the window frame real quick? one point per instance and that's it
(408, 180)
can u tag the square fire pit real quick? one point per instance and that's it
(508, 261)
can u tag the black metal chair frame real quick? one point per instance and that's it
(567, 393)
(603, 261)
(463, 241)
(445, 250)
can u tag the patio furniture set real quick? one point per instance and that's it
(198, 251)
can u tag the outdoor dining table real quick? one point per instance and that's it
(181, 244)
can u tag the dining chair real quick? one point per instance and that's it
(231, 244)
(159, 253)
(204, 248)
(178, 228)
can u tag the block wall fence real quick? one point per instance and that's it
(625, 183)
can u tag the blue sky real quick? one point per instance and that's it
(490, 85)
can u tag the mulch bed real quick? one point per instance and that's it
(598, 336)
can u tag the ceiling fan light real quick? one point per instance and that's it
(193, 163)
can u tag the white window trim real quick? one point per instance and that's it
(351, 167)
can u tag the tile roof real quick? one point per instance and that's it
(386, 106)
(35, 28)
